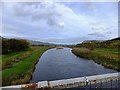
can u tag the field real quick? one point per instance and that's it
(104, 56)
(17, 68)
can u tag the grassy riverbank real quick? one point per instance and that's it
(104, 56)
(18, 67)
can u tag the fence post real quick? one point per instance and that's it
(101, 84)
(86, 81)
(116, 83)
(106, 82)
(95, 84)
(90, 84)
(111, 83)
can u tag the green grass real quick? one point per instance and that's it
(113, 51)
(107, 57)
(9, 60)
(21, 71)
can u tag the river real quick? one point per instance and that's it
(57, 64)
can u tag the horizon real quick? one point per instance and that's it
(58, 43)
(60, 22)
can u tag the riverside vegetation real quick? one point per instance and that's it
(19, 60)
(19, 57)
(105, 53)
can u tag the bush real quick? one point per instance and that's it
(13, 45)
(5, 46)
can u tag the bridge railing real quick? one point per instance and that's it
(110, 80)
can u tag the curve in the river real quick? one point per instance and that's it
(57, 64)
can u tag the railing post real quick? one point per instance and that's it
(90, 84)
(111, 83)
(101, 84)
(106, 82)
(95, 84)
(116, 84)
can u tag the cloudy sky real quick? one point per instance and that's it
(60, 22)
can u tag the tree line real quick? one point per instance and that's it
(14, 45)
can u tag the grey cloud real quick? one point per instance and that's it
(109, 32)
(39, 11)
(29, 3)
(98, 34)
(19, 11)
(98, 27)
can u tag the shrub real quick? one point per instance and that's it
(13, 45)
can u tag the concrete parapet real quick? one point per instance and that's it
(72, 82)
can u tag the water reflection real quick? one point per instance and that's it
(57, 64)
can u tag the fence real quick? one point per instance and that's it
(111, 80)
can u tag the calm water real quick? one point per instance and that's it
(57, 64)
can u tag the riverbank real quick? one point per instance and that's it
(106, 57)
(18, 67)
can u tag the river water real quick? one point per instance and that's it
(57, 64)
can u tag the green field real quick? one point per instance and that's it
(111, 51)
(104, 56)
(18, 67)
(9, 60)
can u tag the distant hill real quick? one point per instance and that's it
(98, 41)
(39, 43)
(90, 41)
(33, 42)
(113, 43)
(115, 39)
(30, 41)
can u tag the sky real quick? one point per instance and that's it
(60, 22)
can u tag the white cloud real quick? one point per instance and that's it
(61, 24)
(48, 20)
(40, 11)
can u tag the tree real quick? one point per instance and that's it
(13, 45)
(5, 46)
(23, 44)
